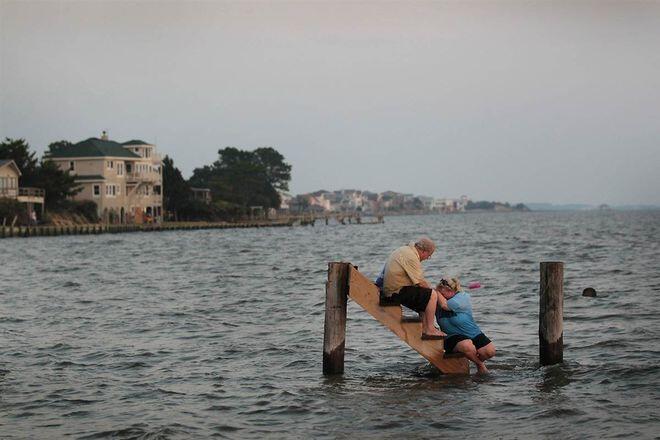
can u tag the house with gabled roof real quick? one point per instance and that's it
(9, 188)
(9, 174)
(124, 179)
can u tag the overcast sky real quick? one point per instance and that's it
(510, 101)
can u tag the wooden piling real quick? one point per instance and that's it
(334, 330)
(551, 333)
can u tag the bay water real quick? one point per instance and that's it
(219, 333)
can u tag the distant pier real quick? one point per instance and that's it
(310, 219)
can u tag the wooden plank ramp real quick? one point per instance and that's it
(364, 292)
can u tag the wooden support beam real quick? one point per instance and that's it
(551, 332)
(334, 332)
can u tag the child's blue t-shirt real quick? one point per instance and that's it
(459, 320)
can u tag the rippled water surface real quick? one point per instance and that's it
(219, 333)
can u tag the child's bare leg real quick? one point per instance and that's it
(469, 350)
(486, 352)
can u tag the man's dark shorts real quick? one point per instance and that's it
(479, 341)
(413, 297)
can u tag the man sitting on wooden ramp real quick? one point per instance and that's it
(404, 282)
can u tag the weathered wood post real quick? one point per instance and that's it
(551, 332)
(334, 330)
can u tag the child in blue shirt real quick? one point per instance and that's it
(455, 319)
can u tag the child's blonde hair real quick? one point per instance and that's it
(453, 283)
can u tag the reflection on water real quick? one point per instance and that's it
(219, 333)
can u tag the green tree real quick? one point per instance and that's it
(245, 178)
(59, 185)
(55, 147)
(277, 171)
(176, 191)
(19, 151)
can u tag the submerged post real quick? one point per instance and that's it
(334, 332)
(551, 340)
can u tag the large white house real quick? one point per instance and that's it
(125, 180)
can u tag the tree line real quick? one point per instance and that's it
(239, 181)
(490, 206)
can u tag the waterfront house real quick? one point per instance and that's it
(427, 202)
(285, 201)
(9, 174)
(451, 205)
(10, 189)
(201, 194)
(125, 180)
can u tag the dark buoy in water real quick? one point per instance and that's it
(589, 291)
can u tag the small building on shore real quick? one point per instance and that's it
(201, 194)
(9, 175)
(125, 180)
(10, 189)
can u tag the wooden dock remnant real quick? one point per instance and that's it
(334, 333)
(340, 218)
(551, 331)
(363, 291)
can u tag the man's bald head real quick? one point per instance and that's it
(425, 244)
(425, 247)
